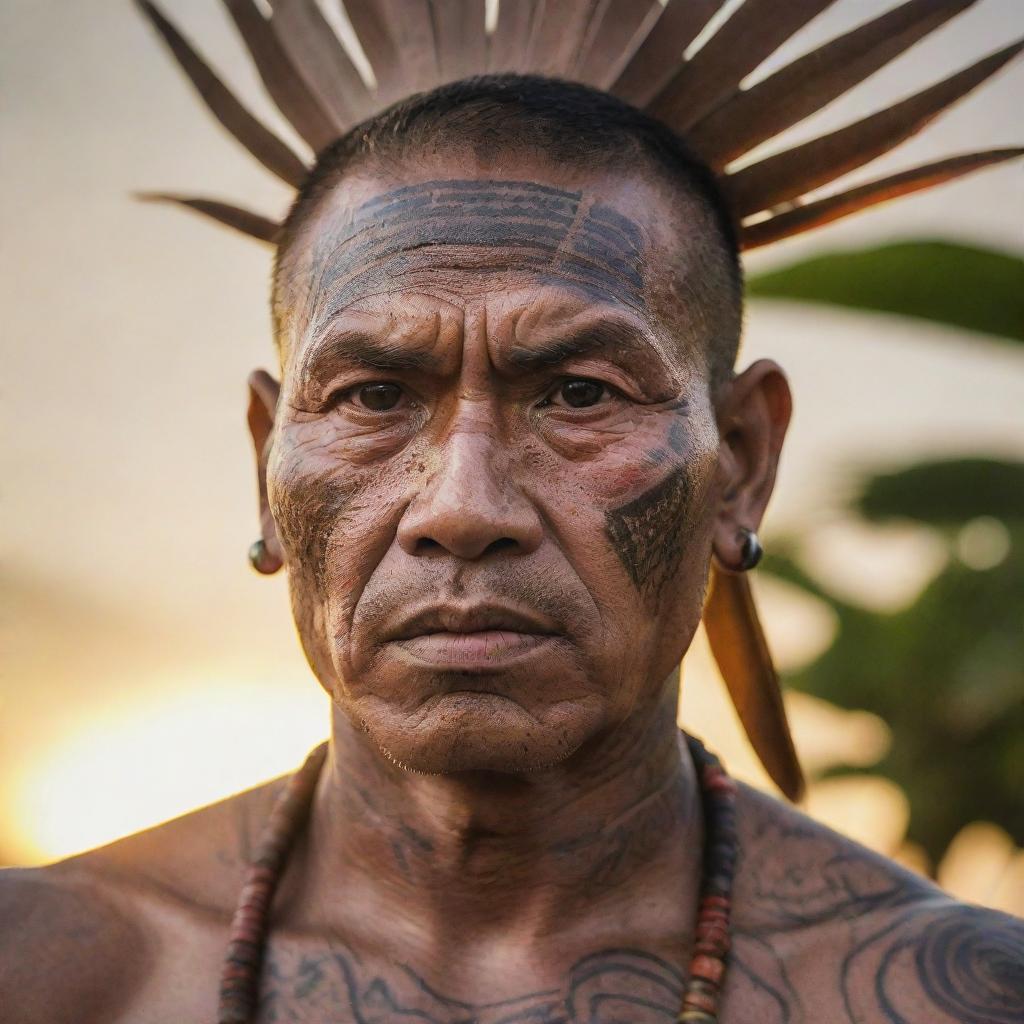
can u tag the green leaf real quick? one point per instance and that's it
(948, 493)
(946, 674)
(956, 285)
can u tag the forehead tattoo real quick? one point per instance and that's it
(560, 236)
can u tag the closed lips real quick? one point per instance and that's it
(479, 619)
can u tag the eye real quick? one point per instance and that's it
(578, 393)
(377, 397)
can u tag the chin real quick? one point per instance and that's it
(471, 731)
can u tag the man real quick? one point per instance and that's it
(506, 444)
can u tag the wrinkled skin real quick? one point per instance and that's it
(483, 484)
(496, 411)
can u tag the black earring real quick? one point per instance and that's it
(258, 557)
(751, 551)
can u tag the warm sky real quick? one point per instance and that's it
(141, 654)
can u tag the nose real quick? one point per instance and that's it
(469, 508)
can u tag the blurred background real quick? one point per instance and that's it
(147, 670)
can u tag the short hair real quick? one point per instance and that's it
(564, 122)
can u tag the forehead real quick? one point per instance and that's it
(539, 233)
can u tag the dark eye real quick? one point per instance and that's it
(378, 397)
(579, 393)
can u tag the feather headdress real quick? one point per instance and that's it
(633, 49)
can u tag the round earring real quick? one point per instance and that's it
(258, 557)
(751, 551)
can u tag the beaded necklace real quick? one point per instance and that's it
(240, 977)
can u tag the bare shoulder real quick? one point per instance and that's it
(66, 948)
(828, 930)
(795, 872)
(940, 963)
(80, 939)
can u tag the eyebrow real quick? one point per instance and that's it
(360, 350)
(603, 337)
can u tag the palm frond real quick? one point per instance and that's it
(753, 33)
(655, 53)
(309, 40)
(282, 78)
(831, 208)
(274, 154)
(801, 169)
(612, 28)
(813, 81)
(508, 44)
(255, 225)
(559, 28)
(461, 38)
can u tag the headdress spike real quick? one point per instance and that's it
(612, 27)
(811, 82)
(831, 208)
(284, 80)
(803, 168)
(655, 53)
(255, 225)
(310, 41)
(412, 27)
(461, 38)
(369, 21)
(753, 33)
(274, 154)
(507, 47)
(559, 29)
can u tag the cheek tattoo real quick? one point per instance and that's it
(556, 234)
(306, 512)
(650, 532)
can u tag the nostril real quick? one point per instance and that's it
(428, 546)
(502, 544)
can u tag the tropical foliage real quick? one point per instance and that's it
(947, 672)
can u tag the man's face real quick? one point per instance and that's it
(493, 467)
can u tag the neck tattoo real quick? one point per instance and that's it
(240, 976)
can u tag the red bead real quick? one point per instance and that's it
(709, 968)
(720, 902)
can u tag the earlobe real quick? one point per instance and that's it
(265, 554)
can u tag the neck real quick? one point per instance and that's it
(593, 840)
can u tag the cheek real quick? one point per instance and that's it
(328, 510)
(651, 532)
(645, 496)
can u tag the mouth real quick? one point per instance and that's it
(468, 637)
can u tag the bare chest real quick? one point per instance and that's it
(617, 986)
(327, 982)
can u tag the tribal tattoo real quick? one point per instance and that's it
(307, 518)
(618, 986)
(862, 944)
(559, 235)
(648, 532)
(965, 964)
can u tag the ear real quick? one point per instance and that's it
(753, 414)
(263, 395)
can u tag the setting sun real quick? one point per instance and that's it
(128, 768)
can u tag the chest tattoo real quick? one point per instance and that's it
(619, 986)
